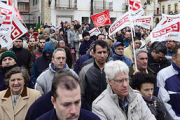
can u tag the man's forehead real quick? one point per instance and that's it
(7, 57)
(60, 53)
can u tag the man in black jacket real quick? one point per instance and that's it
(92, 76)
(24, 57)
(156, 57)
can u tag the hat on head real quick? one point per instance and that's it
(117, 44)
(8, 54)
(45, 31)
(85, 33)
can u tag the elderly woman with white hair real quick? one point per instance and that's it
(16, 100)
(119, 101)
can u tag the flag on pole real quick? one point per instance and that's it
(120, 23)
(11, 28)
(16, 11)
(144, 21)
(101, 19)
(167, 18)
(135, 8)
(94, 31)
(169, 30)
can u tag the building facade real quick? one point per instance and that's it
(55, 11)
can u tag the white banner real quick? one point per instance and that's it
(135, 8)
(144, 21)
(6, 21)
(120, 23)
(167, 18)
(169, 30)
(94, 31)
(11, 27)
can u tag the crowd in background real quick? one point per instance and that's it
(39, 54)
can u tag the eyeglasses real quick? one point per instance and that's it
(120, 81)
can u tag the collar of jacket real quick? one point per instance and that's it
(177, 68)
(8, 93)
(132, 95)
(52, 67)
(17, 49)
(118, 57)
(97, 65)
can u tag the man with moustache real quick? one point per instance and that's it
(92, 76)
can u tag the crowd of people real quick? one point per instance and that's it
(63, 72)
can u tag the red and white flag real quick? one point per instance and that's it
(101, 19)
(144, 21)
(11, 28)
(135, 8)
(94, 31)
(167, 18)
(120, 23)
(16, 11)
(169, 30)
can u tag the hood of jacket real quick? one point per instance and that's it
(48, 47)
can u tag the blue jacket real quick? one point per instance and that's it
(42, 62)
(127, 42)
(80, 61)
(122, 58)
(84, 47)
(168, 81)
(84, 115)
(44, 104)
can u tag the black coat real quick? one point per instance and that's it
(157, 66)
(159, 111)
(24, 57)
(84, 115)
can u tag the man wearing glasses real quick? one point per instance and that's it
(119, 101)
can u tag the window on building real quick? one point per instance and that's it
(169, 9)
(176, 8)
(22, 6)
(148, 1)
(35, 2)
(163, 9)
(157, 11)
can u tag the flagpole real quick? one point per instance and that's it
(131, 21)
(135, 63)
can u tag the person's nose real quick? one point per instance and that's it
(73, 109)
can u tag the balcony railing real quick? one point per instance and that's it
(101, 5)
(66, 4)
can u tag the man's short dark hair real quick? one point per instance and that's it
(160, 47)
(139, 78)
(65, 80)
(101, 43)
(175, 51)
(101, 34)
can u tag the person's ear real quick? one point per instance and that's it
(110, 82)
(53, 101)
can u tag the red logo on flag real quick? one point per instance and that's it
(16, 32)
(134, 5)
(119, 23)
(101, 19)
(172, 28)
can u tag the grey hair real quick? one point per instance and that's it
(138, 51)
(112, 68)
(58, 49)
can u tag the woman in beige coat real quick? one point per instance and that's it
(16, 100)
